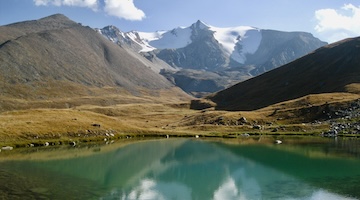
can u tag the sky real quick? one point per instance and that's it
(329, 20)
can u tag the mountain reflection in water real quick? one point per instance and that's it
(189, 169)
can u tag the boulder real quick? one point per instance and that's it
(7, 148)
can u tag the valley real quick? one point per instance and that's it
(64, 83)
(188, 100)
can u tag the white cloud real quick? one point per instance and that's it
(338, 24)
(93, 4)
(123, 9)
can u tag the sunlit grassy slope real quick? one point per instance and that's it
(142, 117)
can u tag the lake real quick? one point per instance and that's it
(244, 168)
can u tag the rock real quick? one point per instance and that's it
(46, 144)
(331, 133)
(196, 136)
(269, 123)
(243, 120)
(96, 125)
(278, 141)
(7, 148)
(42, 191)
(220, 121)
(257, 127)
(245, 135)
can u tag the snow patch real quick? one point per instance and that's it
(137, 38)
(174, 39)
(238, 41)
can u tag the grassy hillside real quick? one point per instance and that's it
(333, 68)
(54, 58)
(151, 117)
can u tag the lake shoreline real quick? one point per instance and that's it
(103, 124)
(108, 139)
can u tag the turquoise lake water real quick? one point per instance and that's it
(306, 168)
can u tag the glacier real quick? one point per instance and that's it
(237, 42)
(174, 39)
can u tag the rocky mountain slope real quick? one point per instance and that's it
(55, 57)
(235, 54)
(333, 68)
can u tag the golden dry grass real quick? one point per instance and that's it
(313, 100)
(130, 118)
(17, 124)
(141, 116)
(353, 88)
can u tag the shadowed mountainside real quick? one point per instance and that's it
(333, 68)
(55, 57)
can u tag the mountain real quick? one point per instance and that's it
(131, 41)
(54, 57)
(192, 81)
(332, 68)
(235, 53)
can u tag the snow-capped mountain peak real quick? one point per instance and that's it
(201, 25)
(174, 39)
(235, 41)
(111, 32)
(219, 47)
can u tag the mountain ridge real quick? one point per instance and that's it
(57, 51)
(244, 50)
(233, 36)
(332, 68)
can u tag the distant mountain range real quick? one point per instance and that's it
(231, 54)
(56, 58)
(333, 68)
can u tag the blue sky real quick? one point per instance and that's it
(330, 20)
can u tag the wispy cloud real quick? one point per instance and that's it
(124, 9)
(340, 23)
(93, 4)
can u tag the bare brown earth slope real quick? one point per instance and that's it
(56, 59)
(333, 68)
